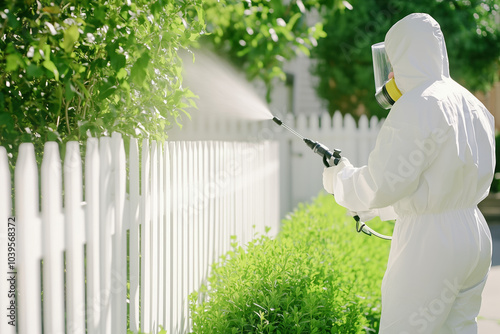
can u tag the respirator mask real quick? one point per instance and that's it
(386, 91)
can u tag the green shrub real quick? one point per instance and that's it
(317, 276)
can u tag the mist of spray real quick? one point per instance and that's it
(222, 90)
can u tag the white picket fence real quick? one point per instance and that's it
(148, 227)
(300, 169)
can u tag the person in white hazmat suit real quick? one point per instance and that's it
(433, 162)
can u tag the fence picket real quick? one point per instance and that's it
(176, 277)
(154, 234)
(146, 316)
(223, 185)
(119, 237)
(260, 192)
(245, 221)
(105, 231)
(350, 140)
(208, 190)
(161, 237)
(75, 239)
(185, 229)
(200, 209)
(231, 146)
(302, 123)
(266, 182)
(168, 241)
(207, 204)
(326, 123)
(276, 186)
(178, 242)
(29, 246)
(218, 200)
(249, 155)
(238, 192)
(93, 253)
(134, 244)
(191, 256)
(217, 206)
(52, 240)
(193, 212)
(364, 144)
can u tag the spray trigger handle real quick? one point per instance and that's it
(329, 157)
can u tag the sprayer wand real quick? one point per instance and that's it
(331, 159)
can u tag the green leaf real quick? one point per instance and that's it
(13, 61)
(117, 61)
(83, 89)
(49, 65)
(138, 72)
(69, 91)
(122, 73)
(125, 85)
(14, 23)
(144, 60)
(71, 36)
(304, 49)
(138, 75)
(156, 8)
(106, 89)
(52, 10)
(243, 52)
(201, 15)
(58, 95)
(6, 119)
(100, 14)
(293, 20)
(34, 71)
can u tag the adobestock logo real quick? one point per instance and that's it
(410, 164)
(426, 314)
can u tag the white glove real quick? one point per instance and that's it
(330, 175)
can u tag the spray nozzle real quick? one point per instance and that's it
(277, 120)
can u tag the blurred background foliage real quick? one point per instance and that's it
(75, 68)
(344, 63)
(259, 36)
(70, 68)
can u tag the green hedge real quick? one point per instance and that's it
(317, 276)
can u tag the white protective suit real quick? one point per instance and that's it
(433, 162)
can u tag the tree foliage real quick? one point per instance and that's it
(76, 68)
(344, 63)
(72, 68)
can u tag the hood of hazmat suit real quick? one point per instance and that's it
(432, 163)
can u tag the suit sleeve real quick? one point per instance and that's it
(403, 150)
